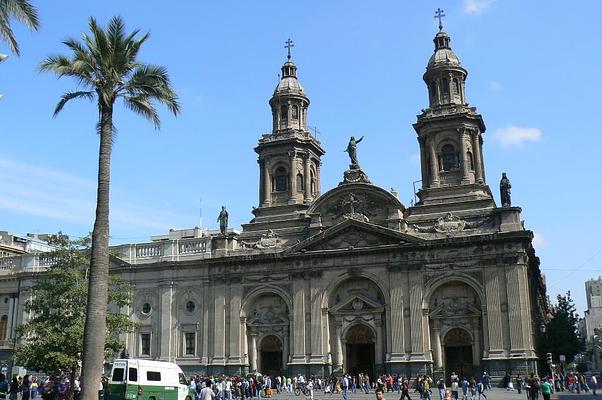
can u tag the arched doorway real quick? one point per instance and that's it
(458, 353)
(270, 355)
(360, 350)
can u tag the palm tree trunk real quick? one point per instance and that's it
(96, 310)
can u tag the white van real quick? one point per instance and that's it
(148, 380)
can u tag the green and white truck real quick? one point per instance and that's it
(136, 379)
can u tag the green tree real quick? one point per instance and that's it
(562, 334)
(21, 10)
(52, 340)
(104, 64)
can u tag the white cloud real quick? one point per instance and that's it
(41, 192)
(516, 136)
(538, 240)
(476, 6)
(495, 86)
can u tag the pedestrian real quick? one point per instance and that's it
(519, 384)
(441, 388)
(405, 390)
(310, 389)
(380, 395)
(464, 388)
(207, 392)
(546, 389)
(345, 386)
(594, 382)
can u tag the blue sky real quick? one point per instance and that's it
(532, 67)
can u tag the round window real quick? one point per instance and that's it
(190, 306)
(146, 308)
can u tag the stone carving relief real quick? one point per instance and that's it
(454, 300)
(354, 175)
(352, 206)
(268, 240)
(359, 334)
(451, 224)
(352, 238)
(268, 309)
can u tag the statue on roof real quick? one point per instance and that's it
(223, 221)
(352, 150)
(505, 187)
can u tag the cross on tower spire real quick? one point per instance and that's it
(438, 14)
(289, 44)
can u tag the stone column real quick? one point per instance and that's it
(285, 349)
(378, 348)
(438, 350)
(494, 312)
(415, 289)
(484, 319)
(397, 324)
(476, 154)
(476, 345)
(11, 316)
(465, 161)
(219, 329)
(236, 352)
(267, 191)
(339, 342)
(423, 164)
(166, 327)
(434, 165)
(317, 177)
(253, 350)
(307, 191)
(317, 346)
(292, 198)
(299, 328)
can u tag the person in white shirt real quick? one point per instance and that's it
(310, 387)
(228, 389)
(207, 392)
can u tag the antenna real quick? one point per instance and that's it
(201, 213)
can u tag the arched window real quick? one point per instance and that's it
(449, 159)
(470, 160)
(445, 84)
(313, 183)
(3, 327)
(283, 113)
(456, 86)
(300, 183)
(280, 183)
(295, 112)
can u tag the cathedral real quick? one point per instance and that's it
(346, 280)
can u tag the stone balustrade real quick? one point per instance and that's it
(138, 253)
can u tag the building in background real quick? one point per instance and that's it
(591, 326)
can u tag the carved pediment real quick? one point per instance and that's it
(353, 234)
(357, 201)
(357, 304)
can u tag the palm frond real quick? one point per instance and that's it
(7, 34)
(65, 98)
(153, 81)
(22, 11)
(143, 106)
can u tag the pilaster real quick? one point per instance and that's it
(219, 324)
(167, 322)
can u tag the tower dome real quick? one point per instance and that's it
(289, 84)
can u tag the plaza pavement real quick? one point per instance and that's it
(495, 394)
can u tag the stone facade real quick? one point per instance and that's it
(351, 279)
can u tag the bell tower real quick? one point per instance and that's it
(450, 135)
(289, 156)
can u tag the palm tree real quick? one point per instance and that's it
(20, 10)
(104, 65)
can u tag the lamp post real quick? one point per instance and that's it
(3, 58)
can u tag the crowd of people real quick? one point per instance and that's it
(29, 387)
